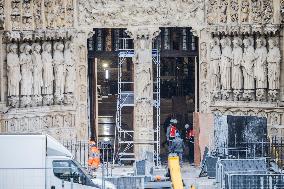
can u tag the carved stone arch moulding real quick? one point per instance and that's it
(128, 13)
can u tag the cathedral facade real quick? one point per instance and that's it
(44, 65)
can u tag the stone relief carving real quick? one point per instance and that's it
(38, 19)
(15, 15)
(27, 16)
(237, 76)
(260, 68)
(37, 68)
(70, 72)
(273, 60)
(59, 72)
(256, 12)
(212, 12)
(48, 77)
(215, 56)
(125, 13)
(234, 11)
(223, 10)
(14, 75)
(26, 72)
(245, 11)
(247, 67)
(2, 14)
(267, 11)
(225, 67)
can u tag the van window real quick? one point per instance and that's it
(67, 170)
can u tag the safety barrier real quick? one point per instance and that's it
(238, 166)
(254, 181)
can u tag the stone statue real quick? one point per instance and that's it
(226, 64)
(273, 60)
(59, 72)
(37, 74)
(14, 75)
(26, 71)
(247, 67)
(143, 71)
(47, 62)
(215, 56)
(260, 68)
(237, 76)
(70, 72)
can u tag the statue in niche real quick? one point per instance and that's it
(37, 73)
(59, 72)
(260, 68)
(247, 67)
(70, 72)
(226, 64)
(237, 76)
(26, 71)
(215, 56)
(14, 75)
(143, 70)
(273, 60)
(47, 62)
(245, 11)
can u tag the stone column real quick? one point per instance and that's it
(281, 46)
(143, 91)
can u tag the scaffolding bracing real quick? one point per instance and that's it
(125, 98)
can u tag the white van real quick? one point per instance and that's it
(39, 162)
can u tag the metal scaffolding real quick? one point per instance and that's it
(124, 135)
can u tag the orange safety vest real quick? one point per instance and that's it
(94, 157)
(173, 131)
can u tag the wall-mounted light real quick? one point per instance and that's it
(106, 74)
(105, 65)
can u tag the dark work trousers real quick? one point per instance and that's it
(191, 151)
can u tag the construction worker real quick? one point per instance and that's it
(94, 156)
(171, 132)
(178, 146)
(189, 140)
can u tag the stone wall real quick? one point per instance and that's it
(237, 40)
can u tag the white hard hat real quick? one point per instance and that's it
(186, 126)
(173, 121)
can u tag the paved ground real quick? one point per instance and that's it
(189, 173)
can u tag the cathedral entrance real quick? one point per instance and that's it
(178, 50)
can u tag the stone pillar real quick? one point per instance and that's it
(143, 91)
(281, 45)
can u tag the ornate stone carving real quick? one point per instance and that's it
(256, 11)
(59, 72)
(247, 67)
(38, 19)
(245, 10)
(15, 15)
(27, 16)
(47, 62)
(70, 78)
(37, 74)
(234, 11)
(273, 60)
(215, 56)
(267, 11)
(226, 64)
(26, 71)
(130, 13)
(2, 14)
(14, 75)
(212, 12)
(260, 68)
(223, 11)
(237, 76)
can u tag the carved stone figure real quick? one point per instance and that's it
(143, 70)
(260, 68)
(215, 56)
(245, 11)
(59, 72)
(27, 78)
(237, 76)
(247, 67)
(14, 75)
(226, 64)
(37, 74)
(47, 62)
(273, 60)
(70, 72)
(223, 11)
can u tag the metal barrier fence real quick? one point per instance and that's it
(226, 166)
(254, 181)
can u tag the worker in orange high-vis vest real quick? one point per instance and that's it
(171, 133)
(94, 156)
